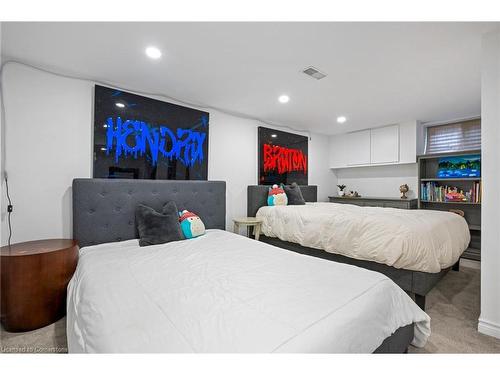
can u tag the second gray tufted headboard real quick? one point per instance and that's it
(104, 209)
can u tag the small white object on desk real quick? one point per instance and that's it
(248, 222)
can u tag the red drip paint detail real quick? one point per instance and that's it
(284, 159)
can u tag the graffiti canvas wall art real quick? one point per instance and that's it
(143, 138)
(282, 157)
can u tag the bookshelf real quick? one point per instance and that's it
(427, 173)
(459, 203)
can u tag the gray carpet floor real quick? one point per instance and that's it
(453, 306)
(49, 339)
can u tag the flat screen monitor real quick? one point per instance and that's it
(464, 166)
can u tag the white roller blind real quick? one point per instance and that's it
(458, 136)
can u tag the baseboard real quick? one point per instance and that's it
(489, 328)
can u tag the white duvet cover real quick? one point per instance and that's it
(418, 240)
(226, 293)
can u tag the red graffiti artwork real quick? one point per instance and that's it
(284, 159)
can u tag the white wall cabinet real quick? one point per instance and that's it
(358, 146)
(395, 144)
(338, 151)
(408, 141)
(384, 145)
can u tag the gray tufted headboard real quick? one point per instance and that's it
(104, 209)
(257, 196)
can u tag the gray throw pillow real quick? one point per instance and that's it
(156, 228)
(294, 194)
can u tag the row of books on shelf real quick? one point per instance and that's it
(432, 191)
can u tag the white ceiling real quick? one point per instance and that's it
(378, 73)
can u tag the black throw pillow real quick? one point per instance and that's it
(294, 194)
(156, 228)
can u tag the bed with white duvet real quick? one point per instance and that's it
(226, 293)
(418, 240)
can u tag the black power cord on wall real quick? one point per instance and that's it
(10, 208)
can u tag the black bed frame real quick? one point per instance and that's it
(417, 283)
(398, 342)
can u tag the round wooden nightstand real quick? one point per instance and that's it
(34, 278)
(248, 222)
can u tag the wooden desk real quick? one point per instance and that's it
(407, 204)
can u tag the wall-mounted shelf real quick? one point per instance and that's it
(449, 179)
(438, 202)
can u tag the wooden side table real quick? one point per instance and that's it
(34, 279)
(248, 222)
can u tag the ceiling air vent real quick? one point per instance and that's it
(313, 72)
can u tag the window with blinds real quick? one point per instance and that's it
(459, 136)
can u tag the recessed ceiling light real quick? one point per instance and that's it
(284, 99)
(341, 119)
(274, 135)
(153, 53)
(120, 105)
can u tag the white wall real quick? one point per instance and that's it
(379, 181)
(49, 142)
(489, 321)
(319, 161)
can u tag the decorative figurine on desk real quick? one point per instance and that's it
(341, 190)
(353, 194)
(403, 189)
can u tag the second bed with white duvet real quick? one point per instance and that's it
(417, 240)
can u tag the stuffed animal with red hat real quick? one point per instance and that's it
(277, 196)
(191, 224)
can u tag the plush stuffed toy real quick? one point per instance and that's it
(276, 196)
(191, 224)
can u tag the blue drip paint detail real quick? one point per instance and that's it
(186, 144)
